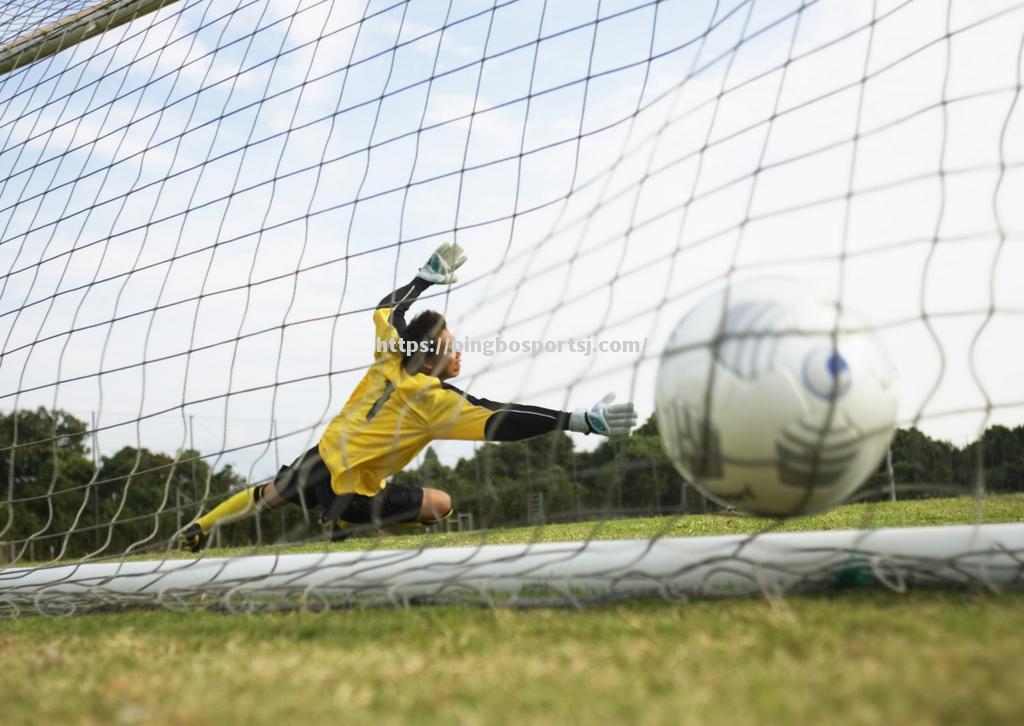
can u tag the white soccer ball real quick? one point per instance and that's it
(771, 400)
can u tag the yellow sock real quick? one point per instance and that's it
(235, 507)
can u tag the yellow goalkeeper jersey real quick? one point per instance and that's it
(389, 418)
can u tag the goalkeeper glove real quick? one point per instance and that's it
(604, 418)
(442, 264)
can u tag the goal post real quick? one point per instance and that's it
(73, 29)
(562, 574)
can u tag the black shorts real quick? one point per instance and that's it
(307, 482)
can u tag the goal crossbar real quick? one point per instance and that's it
(73, 29)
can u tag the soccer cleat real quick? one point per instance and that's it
(193, 538)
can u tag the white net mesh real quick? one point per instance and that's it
(200, 208)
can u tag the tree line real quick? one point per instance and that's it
(58, 500)
(633, 476)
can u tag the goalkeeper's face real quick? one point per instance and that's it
(449, 360)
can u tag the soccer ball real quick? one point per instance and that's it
(772, 400)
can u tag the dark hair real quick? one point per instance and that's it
(426, 326)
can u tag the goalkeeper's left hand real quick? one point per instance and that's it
(441, 266)
(604, 418)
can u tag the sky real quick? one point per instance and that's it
(199, 209)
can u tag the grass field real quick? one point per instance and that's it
(909, 513)
(857, 656)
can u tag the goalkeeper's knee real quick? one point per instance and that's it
(436, 506)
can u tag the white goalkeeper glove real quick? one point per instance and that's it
(441, 266)
(604, 418)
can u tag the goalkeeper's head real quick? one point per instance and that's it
(430, 347)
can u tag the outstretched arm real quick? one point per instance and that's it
(389, 315)
(391, 310)
(463, 416)
(482, 419)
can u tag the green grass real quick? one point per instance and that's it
(910, 513)
(856, 656)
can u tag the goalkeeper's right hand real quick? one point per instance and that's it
(441, 266)
(604, 418)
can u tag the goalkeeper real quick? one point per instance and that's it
(402, 404)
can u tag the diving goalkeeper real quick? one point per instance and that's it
(402, 403)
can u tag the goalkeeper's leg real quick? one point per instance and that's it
(436, 506)
(295, 484)
(241, 505)
(238, 506)
(395, 508)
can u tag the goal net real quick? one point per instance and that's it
(202, 202)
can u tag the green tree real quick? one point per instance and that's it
(146, 496)
(922, 467)
(44, 465)
(1000, 453)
